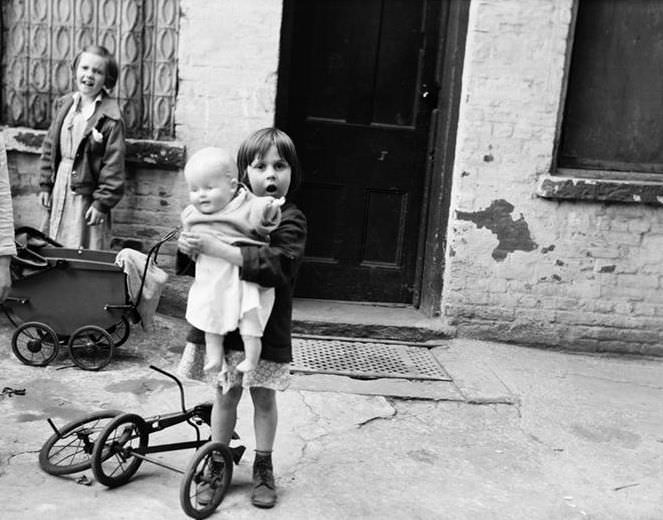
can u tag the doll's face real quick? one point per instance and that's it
(210, 189)
(90, 74)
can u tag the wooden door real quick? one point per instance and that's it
(356, 91)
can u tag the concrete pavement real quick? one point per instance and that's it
(524, 434)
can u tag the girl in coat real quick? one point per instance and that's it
(82, 162)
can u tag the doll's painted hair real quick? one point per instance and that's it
(112, 69)
(259, 143)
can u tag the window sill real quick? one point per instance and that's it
(168, 155)
(600, 190)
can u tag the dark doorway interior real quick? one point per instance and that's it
(359, 83)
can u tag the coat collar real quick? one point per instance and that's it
(107, 106)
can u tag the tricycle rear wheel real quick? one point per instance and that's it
(209, 473)
(113, 462)
(35, 343)
(70, 450)
(91, 347)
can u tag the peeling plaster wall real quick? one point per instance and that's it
(580, 275)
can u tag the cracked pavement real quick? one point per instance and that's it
(525, 434)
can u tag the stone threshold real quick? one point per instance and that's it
(366, 320)
(335, 318)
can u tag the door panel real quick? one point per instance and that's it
(360, 124)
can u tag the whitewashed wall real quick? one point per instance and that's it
(579, 275)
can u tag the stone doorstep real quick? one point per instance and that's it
(471, 381)
(334, 318)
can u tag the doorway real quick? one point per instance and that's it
(358, 91)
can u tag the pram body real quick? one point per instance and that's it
(79, 287)
(77, 297)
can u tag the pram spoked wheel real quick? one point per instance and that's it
(35, 343)
(113, 460)
(120, 331)
(91, 347)
(209, 472)
(69, 450)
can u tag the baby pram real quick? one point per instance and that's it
(73, 297)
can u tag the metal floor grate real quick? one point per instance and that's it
(365, 358)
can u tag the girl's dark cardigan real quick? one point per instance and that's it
(275, 265)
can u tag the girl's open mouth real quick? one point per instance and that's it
(271, 188)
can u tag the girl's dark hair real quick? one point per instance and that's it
(259, 143)
(112, 68)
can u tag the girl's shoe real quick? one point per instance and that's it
(206, 488)
(264, 491)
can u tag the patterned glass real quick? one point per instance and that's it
(40, 38)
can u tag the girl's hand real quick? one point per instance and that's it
(94, 217)
(45, 199)
(189, 243)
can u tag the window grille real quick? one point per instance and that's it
(40, 39)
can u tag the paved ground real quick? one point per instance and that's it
(520, 434)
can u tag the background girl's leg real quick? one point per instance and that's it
(224, 414)
(214, 350)
(252, 349)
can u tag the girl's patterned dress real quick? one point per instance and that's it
(268, 374)
(66, 223)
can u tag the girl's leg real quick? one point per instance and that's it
(215, 355)
(265, 419)
(252, 349)
(224, 414)
(224, 417)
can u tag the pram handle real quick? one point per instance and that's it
(152, 254)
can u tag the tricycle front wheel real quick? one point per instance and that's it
(206, 480)
(113, 460)
(70, 449)
(35, 343)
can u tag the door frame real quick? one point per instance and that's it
(430, 263)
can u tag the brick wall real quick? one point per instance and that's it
(580, 275)
(228, 59)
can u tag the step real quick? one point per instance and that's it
(335, 318)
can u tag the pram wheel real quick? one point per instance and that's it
(113, 462)
(206, 480)
(70, 450)
(91, 347)
(35, 343)
(119, 332)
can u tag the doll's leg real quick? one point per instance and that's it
(252, 349)
(214, 350)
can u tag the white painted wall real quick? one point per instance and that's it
(594, 279)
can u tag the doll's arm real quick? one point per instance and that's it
(267, 216)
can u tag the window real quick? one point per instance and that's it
(613, 119)
(41, 38)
